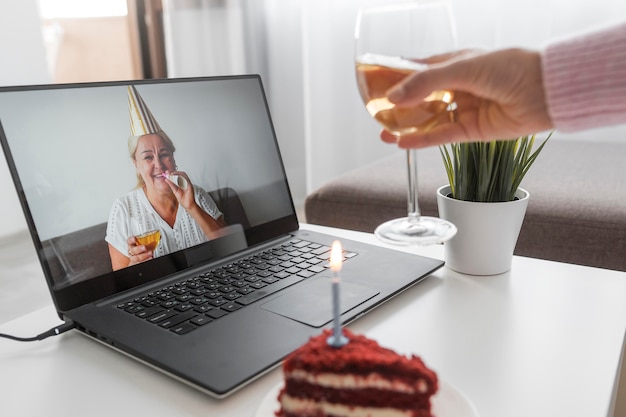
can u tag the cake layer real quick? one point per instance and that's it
(371, 380)
(363, 397)
(296, 407)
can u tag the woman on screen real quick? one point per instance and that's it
(165, 212)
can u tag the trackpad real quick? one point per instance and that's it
(311, 302)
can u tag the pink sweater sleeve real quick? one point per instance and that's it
(585, 80)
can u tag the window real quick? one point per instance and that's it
(103, 40)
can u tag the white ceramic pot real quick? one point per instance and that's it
(487, 232)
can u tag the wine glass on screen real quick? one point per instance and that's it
(146, 231)
(393, 42)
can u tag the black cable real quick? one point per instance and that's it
(68, 325)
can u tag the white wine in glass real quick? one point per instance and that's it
(393, 42)
(146, 231)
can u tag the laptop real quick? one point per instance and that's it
(214, 313)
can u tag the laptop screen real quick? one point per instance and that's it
(88, 160)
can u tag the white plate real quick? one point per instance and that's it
(447, 402)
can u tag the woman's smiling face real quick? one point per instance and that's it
(152, 158)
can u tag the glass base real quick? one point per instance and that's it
(422, 230)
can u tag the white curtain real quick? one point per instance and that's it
(203, 37)
(304, 51)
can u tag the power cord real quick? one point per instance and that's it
(62, 328)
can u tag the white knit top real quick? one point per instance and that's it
(135, 207)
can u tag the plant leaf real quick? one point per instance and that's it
(489, 171)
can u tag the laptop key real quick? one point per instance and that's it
(216, 313)
(184, 307)
(199, 291)
(305, 274)
(230, 307)
(216, 302)
(177, 319)
(213, 294)
(203, 308)
(253, 278)
(148, 303)
(201, 320)
(183, 328)
(232, 296)
(321, 250)
(162, 316)
(149, 312)
(135, 309)
(301, 243)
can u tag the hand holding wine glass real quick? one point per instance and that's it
(502, 97)
(144, 238)
(393, 42)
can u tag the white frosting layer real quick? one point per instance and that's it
(309, 407)
(349, 381)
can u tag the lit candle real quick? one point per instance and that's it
(336, 258)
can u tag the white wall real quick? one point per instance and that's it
(23, 62)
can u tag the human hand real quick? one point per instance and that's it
(137, 253)
(182, 188)
(498, 95)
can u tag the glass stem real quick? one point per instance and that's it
(413, 206)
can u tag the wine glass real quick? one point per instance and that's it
(146, 230)
(393, 42)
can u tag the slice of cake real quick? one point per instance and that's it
(360, 379)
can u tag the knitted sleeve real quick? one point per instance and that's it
(585, 79)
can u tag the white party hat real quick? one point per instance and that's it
(142, 122)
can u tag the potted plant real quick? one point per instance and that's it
(484, 200)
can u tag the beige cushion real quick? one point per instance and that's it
(576, 212)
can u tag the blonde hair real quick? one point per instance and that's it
(133, 142)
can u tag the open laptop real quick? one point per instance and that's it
(216, 314)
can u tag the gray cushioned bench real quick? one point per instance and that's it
(576, 212)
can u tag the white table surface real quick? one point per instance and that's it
(541, 340)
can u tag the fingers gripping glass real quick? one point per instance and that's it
(145, 229)
(393, 42)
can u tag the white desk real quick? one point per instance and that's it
(542, 340)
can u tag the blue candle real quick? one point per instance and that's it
(336, 257)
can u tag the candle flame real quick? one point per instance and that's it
(336, 256)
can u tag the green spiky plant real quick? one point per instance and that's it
(489, 171)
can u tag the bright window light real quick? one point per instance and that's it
(82, 8)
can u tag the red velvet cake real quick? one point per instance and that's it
(358, 379)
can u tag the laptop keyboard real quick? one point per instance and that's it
(187, 305)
